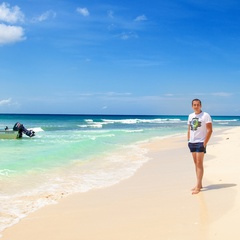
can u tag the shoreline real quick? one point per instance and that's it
(155, 203)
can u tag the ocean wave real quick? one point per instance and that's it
(135, 121)
(37, 129)
(226, 120)
(48, 187)
(6, 172)
(133, 131)
(83, 126)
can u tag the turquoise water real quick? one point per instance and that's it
(75, 153)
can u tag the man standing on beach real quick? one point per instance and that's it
(199, 133)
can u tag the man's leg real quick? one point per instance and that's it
(198, 161)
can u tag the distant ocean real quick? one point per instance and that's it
(75, 153)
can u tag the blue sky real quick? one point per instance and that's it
(119, 57)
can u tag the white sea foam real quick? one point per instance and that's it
(83, 126)
(230, 120)
(95, 125)
(123, 121)
(88, 120)
(99, 124)
(133, 131)
(134, 121)
(47, 187)
(6, 172)
(37, 129)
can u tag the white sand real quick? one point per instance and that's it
(155, 204)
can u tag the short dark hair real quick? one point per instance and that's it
(196, 99)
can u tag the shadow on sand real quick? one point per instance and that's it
(218, 186)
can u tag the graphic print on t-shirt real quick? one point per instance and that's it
(195, 124)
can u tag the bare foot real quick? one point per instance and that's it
(196, 190)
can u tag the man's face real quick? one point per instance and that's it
(196, 106)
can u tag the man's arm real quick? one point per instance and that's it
(209, 133)
(188, 133)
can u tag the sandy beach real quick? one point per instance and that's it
(155, 203)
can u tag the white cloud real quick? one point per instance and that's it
(141, 18)
(117, 94)
(10, 15)
(46, 15)
(11, 34)
(126, 36)
(83, 11)
(111, 14)
(5, 101)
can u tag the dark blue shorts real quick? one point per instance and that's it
(196, 147)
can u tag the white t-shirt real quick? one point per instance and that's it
(198, 128)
